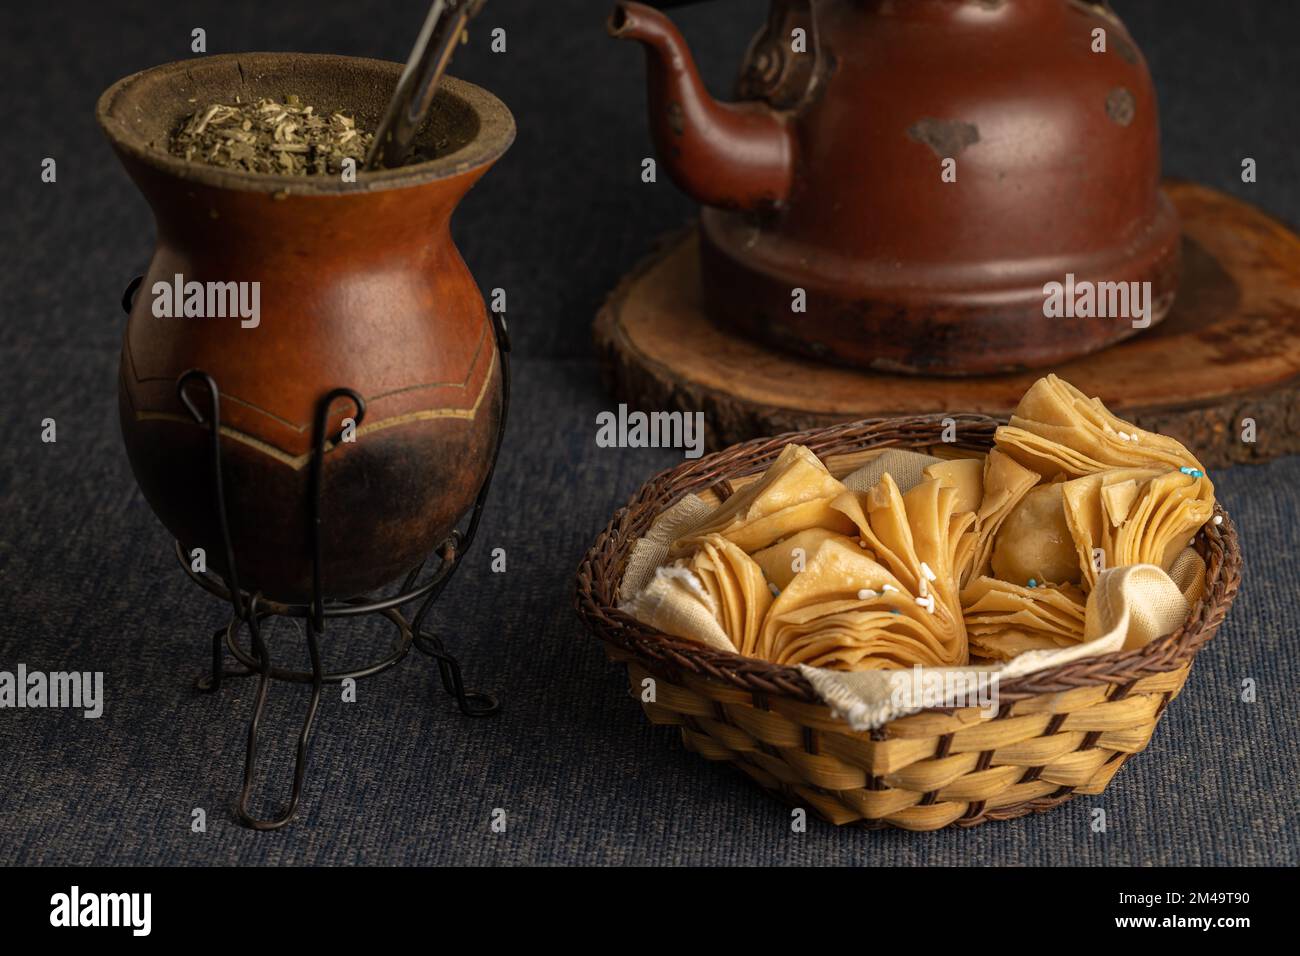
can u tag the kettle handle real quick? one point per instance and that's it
(772, 71)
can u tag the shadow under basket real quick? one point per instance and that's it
(1057, 733)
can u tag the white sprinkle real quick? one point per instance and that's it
(930, 575)
(1191, 541)
(927, 603)
(889, 587)
(862, 543)
(1218, 519)
(1124, 435)
(866, 594)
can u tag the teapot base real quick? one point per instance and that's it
(946, 319)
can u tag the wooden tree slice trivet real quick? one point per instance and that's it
(1229, 351)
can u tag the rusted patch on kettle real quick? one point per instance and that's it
(946, 137)
(1120, 106)
(676, 118)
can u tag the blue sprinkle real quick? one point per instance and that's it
(893, 610)
(1194, 472)
(1033, 583)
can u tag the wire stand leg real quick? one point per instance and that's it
(211, 682)
(472, 703)
(304, 737)
(248, 613)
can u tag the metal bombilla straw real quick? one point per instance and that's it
(443, 29)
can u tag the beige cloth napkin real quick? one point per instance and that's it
(907, 468)
(1129, 607)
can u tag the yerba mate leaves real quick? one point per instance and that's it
(285, 139)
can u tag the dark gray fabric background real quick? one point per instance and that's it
(87, 580)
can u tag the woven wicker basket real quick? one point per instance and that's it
(1058, 732)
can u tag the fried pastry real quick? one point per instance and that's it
(793, 495)
(1057, 430)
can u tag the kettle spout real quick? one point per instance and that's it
(729, 155)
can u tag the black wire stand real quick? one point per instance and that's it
(252, 611)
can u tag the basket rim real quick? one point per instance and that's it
(602, 567)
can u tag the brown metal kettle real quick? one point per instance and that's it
(901, 181)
